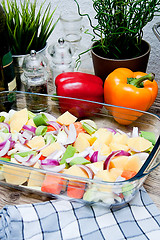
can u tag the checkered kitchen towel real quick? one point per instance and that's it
(60, 219)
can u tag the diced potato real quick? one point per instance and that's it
(133, 164)
(120, 138)
(50, 149)
(86, 135)
(95, 167)
(103, 148)
(117, 146)
(66, 119)
(139, 144)
(103, 136)
(76, 171)
(36, 142)
(31, 122)
(18, 119)
(81, 143)
(36, 179)
(1, 173)
(104, 175)
(119, 162)
(115, 172)
(15, 175)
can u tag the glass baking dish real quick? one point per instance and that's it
(90, 191)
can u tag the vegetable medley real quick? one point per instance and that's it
(69, 146)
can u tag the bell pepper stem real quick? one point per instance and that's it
(137, 82)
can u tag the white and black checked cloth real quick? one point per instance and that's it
(60, 219)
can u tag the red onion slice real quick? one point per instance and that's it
(86, 152)
(62, 137)
(94, 157)
(12, 144)
(21, 148)
(112, 155)
(5, 125)
(55, 155)
(29, 128)
(29, 160)
(88, 170)
(54, 124)
(122, 132)
(21, 139)
(112, 130)
(2, 144)
(28, 135)
(21, 159)
(53, 168)
(65, 129)
(52, 155)
(71, 135)
(135, 132)
(50, 162)
(5, 149)
(33, 160)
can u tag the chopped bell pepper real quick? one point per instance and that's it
(82, 86)
(135, 90)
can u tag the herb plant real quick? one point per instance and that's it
(120, 24)
(28, 27)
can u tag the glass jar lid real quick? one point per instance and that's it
(34, 64)
(61, 52)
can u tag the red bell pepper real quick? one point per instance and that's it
(82, 86)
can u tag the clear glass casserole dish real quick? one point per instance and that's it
(76, 188)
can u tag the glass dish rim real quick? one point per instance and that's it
(72, 176)
(83, 100)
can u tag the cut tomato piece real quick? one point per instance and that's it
(87, 157)
(52, 184)
(50, 128)
(127, 174)
(78, 127)
(42, 157)
(75, 189)
(6, 156)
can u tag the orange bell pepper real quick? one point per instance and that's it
(125, 88)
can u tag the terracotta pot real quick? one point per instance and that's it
(104, 66)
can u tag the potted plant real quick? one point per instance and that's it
(29, 26)
(119, 32)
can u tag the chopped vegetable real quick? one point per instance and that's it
(70, 151)
(79, 160)
(40, 119)
(150, 136)
(89, 129)
(52, 184)
(41, 130)
(76, 148)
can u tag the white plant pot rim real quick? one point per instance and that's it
(24, 55)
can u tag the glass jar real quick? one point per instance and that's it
(61, 58)
(35, 80)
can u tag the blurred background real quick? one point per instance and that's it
(86, 7)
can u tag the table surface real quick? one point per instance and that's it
(12, 196)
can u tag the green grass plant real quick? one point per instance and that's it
(29, 25)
